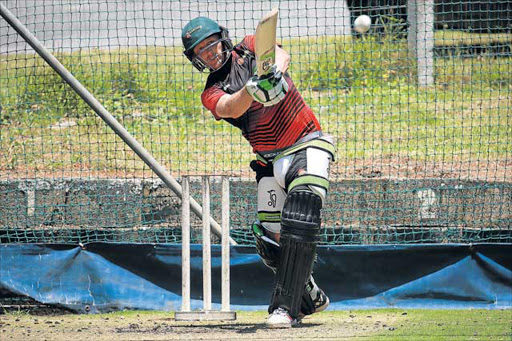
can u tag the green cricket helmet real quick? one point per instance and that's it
(197, 30)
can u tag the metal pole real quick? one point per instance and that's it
(207, 279)
(95, 105)
(185, 246)
(225, 245)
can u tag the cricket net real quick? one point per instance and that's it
(420, 106)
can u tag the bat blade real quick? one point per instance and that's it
(265, 42)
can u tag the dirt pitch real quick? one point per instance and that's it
(330, 325)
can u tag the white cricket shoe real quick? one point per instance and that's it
(280, 318)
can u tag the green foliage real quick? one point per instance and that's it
(343, 63)
(124, 82)
(45, 94)
(363, 89)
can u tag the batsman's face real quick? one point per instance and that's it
(210, 51)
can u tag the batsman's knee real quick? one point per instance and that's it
(300, 216)
(267, 248)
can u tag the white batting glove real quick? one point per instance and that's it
(269, 89)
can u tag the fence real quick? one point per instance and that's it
(421, 113)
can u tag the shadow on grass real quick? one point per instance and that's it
(205, 327)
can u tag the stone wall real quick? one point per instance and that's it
(118, 204)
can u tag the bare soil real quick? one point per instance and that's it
(162, 326)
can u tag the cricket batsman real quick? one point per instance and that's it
(292, 160)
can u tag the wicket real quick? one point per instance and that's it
(207, 314)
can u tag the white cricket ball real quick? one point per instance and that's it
(362, 23)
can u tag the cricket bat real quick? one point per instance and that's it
(265, 42)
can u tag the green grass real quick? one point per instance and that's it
(461, 325)
(363, 91)
(450, 38)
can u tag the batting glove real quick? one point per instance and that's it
(268, 89)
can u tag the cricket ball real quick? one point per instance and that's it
(362, 23)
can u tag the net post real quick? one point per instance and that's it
(185, 245)
(207, 286)
(225, 248)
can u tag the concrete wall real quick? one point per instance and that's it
(114, 203)
(69, 25)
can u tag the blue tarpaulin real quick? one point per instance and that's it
(102, 277)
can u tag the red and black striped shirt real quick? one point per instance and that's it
(266, 128)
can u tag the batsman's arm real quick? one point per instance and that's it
(235, 105)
